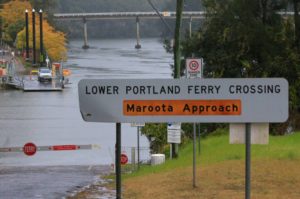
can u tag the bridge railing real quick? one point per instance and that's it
(124, 15)
(127, 15)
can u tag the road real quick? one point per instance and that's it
(53, 118)
(40, 181)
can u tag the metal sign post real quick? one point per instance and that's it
(138, 125)
(138, 146)
(194, 68)
(248, 162)
(194, 156)
(118, 160)
(199, 139)
(174, 138)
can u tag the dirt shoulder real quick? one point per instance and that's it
(102, 189)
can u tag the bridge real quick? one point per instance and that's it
(136, 15)
(127, 15)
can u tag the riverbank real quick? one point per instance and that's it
(100, 190)
(221, 172)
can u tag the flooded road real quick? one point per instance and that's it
(53, 118)
(47, 182)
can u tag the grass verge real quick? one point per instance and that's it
(220, 172)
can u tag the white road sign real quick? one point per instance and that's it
(239, 100)
(174, 133)
(194, 67)
(134, 124)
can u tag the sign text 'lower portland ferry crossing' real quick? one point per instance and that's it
(184, 100)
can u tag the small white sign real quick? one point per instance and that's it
(259, 133)
(174, 125)
(194, 67)
(174, 132)
(136, 124)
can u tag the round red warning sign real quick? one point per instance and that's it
(124, 159)
(29, 149)
(194, 65)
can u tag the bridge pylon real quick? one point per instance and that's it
(138, 45)
(85, 44)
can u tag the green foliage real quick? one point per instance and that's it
(235, 41)
(12, 31)
(13, 20)
(248, 39)
(157, 135)
(45, 5)
(219, 132)
(205, 129)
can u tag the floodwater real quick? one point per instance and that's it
(53, 118)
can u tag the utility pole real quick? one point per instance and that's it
(177, 55)
(27, 35)
(138, 146)
(41, 39)
(297, 24)
(118, 161)
(33, 37)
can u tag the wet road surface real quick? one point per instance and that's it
(47, 182)
(53, 118)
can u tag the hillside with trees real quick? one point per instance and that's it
(244, 39)
(251, 39)
(12, 16)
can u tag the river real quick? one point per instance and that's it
(53, 118)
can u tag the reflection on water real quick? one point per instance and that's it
(53, 118)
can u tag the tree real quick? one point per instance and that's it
(243, 38)
(54, 41)
(45, 5)
(13, 16)
(157, 136)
